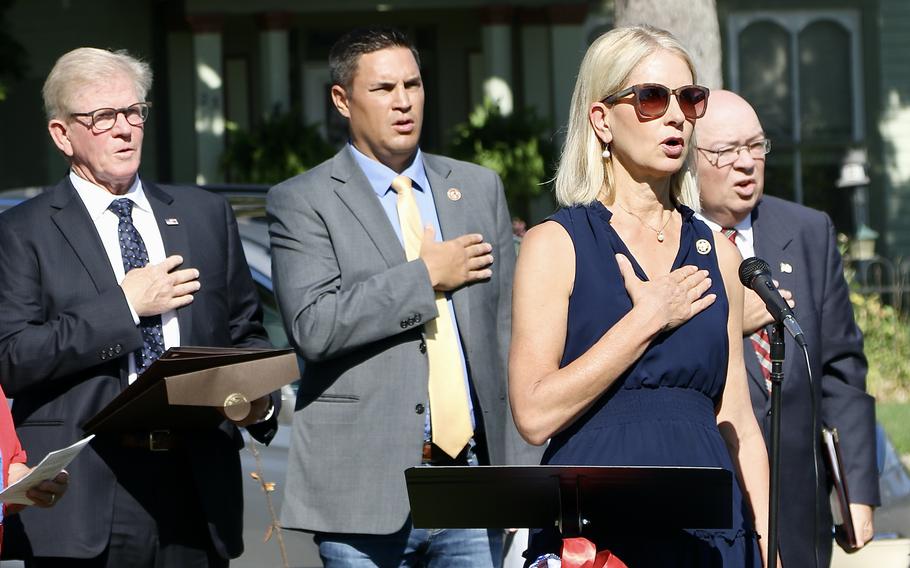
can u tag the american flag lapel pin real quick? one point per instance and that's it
(171, 221)
(786, 267)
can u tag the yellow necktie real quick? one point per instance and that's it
(450, 417)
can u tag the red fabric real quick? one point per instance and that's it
(10, 449)
(581, 553)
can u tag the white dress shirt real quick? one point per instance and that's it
(745, 241)
(97, 200)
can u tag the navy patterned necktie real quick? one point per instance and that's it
(134, 254)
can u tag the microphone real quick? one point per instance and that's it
(755, 274)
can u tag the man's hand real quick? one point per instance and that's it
(456, 262)
(862, 524)
(45, 494)
(158, 288)
(756, 314)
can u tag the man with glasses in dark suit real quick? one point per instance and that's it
(99, 275)
(800, 246)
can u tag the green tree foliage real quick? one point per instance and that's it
(12, 55)
(517, 147)
(279, 148)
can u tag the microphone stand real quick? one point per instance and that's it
(777, 377)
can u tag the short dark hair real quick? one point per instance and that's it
(346, 52)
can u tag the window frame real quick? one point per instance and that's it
(793, 23)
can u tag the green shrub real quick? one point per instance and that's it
(278, 148)
(887, 347)
(517, 147)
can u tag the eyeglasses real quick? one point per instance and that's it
(726, 156)
(103, 119)
(653, 99)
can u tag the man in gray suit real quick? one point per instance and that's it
(365, 305)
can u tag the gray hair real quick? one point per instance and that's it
(346, 52)
(583, 174)
(87, 66)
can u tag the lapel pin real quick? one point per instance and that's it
(702, 246)
(453, 194)
(171, 221)
(785, 267)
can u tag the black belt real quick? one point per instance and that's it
(151, 440)
(433, 455)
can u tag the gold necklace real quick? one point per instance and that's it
(660, 232)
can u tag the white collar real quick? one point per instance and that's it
(97, 199)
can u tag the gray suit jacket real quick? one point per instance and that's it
(354, 309)
(800, 246)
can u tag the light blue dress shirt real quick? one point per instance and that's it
(380, 177)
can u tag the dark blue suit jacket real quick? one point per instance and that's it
(799, 243)
(62, 319)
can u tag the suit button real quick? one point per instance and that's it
(419, 409)
(422, 347)
(417, 318)
(118, 348)
(103, 354)
(403, 324)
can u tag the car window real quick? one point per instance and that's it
(271, 319)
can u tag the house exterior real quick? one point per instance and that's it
(828, 77)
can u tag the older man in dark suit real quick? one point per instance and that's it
(800, 246)
(98, 276)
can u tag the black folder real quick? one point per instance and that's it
(840, 493)
(571, 497)
(186, 386)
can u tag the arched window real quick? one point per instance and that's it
(801, 70)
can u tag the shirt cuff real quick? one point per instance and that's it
(132, 311)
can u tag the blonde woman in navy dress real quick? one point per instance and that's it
(626, 345)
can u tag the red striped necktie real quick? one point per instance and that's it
(760, 341)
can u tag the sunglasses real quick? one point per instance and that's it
(653, 99)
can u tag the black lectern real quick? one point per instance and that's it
(571, 497)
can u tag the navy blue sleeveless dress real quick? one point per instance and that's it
(661, 410)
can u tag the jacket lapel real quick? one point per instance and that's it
(173, 229)
(452, 223)
(354, 190)
(73, 220)
(771, 239)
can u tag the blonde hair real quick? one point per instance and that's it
(582, 174)
(86, 66)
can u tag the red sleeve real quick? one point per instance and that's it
(10, 449)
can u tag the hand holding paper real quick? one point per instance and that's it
(45, 483)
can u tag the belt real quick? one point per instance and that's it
(151, 440)
(433, 455)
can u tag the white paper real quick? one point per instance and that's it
(52, 464)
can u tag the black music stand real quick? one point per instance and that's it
(571, 497)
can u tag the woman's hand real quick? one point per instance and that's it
(672, 299)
